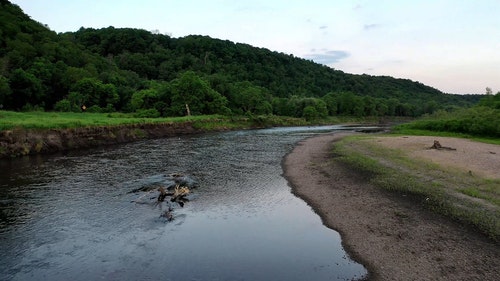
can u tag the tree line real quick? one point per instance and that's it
(479, 120)
(133, 70)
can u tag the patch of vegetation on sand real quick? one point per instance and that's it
(470, 200)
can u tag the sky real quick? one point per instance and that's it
(451, 45)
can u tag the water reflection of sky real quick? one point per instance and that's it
(242, 224)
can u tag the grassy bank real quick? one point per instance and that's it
(27, 133)
(67, 120)
(30, 133)
(473, 201)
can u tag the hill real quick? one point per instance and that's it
(134, 70)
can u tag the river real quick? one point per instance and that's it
(72, 217)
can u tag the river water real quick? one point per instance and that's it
(72, 216)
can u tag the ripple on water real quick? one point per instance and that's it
(72, 216)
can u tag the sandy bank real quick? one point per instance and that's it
(393, 237)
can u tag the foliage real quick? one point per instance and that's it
(133, 70)
(479, 121)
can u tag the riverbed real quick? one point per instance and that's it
(72, 216)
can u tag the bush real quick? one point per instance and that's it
(477, 121)
(310, 113)
(94, 109)
(63, 105)
(147, 113)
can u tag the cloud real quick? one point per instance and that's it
(327, 57)
(370, 26)
(323, 27)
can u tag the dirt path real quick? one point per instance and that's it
(393, 238)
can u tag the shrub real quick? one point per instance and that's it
(147, 113)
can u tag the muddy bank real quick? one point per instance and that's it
(395, 238)
(19, 142)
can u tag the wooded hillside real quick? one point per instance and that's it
(133, 70)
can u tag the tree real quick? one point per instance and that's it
(248, 98)
(189, 90)
(26, 88)
(280, 107)
(144, 99)
(310, 113)
(92, 92)
(330, 100)
(381, 108)
(244, 78)
(65, 105)
(5, 92)
(350, 104)
(492, 101)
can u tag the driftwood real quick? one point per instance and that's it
(168, 182)
(172, 188)
(438, 146)
(178, 195)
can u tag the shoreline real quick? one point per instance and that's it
(394, 238)
(22, 142)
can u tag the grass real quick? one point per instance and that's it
(66, 120)
(471, 200)
(63, 120)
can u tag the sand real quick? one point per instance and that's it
(481, 159)
(393, 237)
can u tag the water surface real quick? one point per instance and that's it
(71, 217)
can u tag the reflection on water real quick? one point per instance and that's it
(70, 217)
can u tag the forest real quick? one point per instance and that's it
(154, 75)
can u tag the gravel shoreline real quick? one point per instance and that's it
(394, 238)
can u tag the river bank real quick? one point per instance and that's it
(48, 132)
(19, 142)
(392, 236)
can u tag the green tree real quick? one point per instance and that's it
(5, 92)
(190, 91)
(330, 100)
(350, 104)
(280, 107)
(248, 98)
(491, 100)
(65, 105)
(92, 92)
(381, 108)
(144, 99)
(26, 88)
(310, 113)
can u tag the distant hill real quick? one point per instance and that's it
(133, 70)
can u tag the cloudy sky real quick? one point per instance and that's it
(452, 45)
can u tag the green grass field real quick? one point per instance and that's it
(62, 120)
